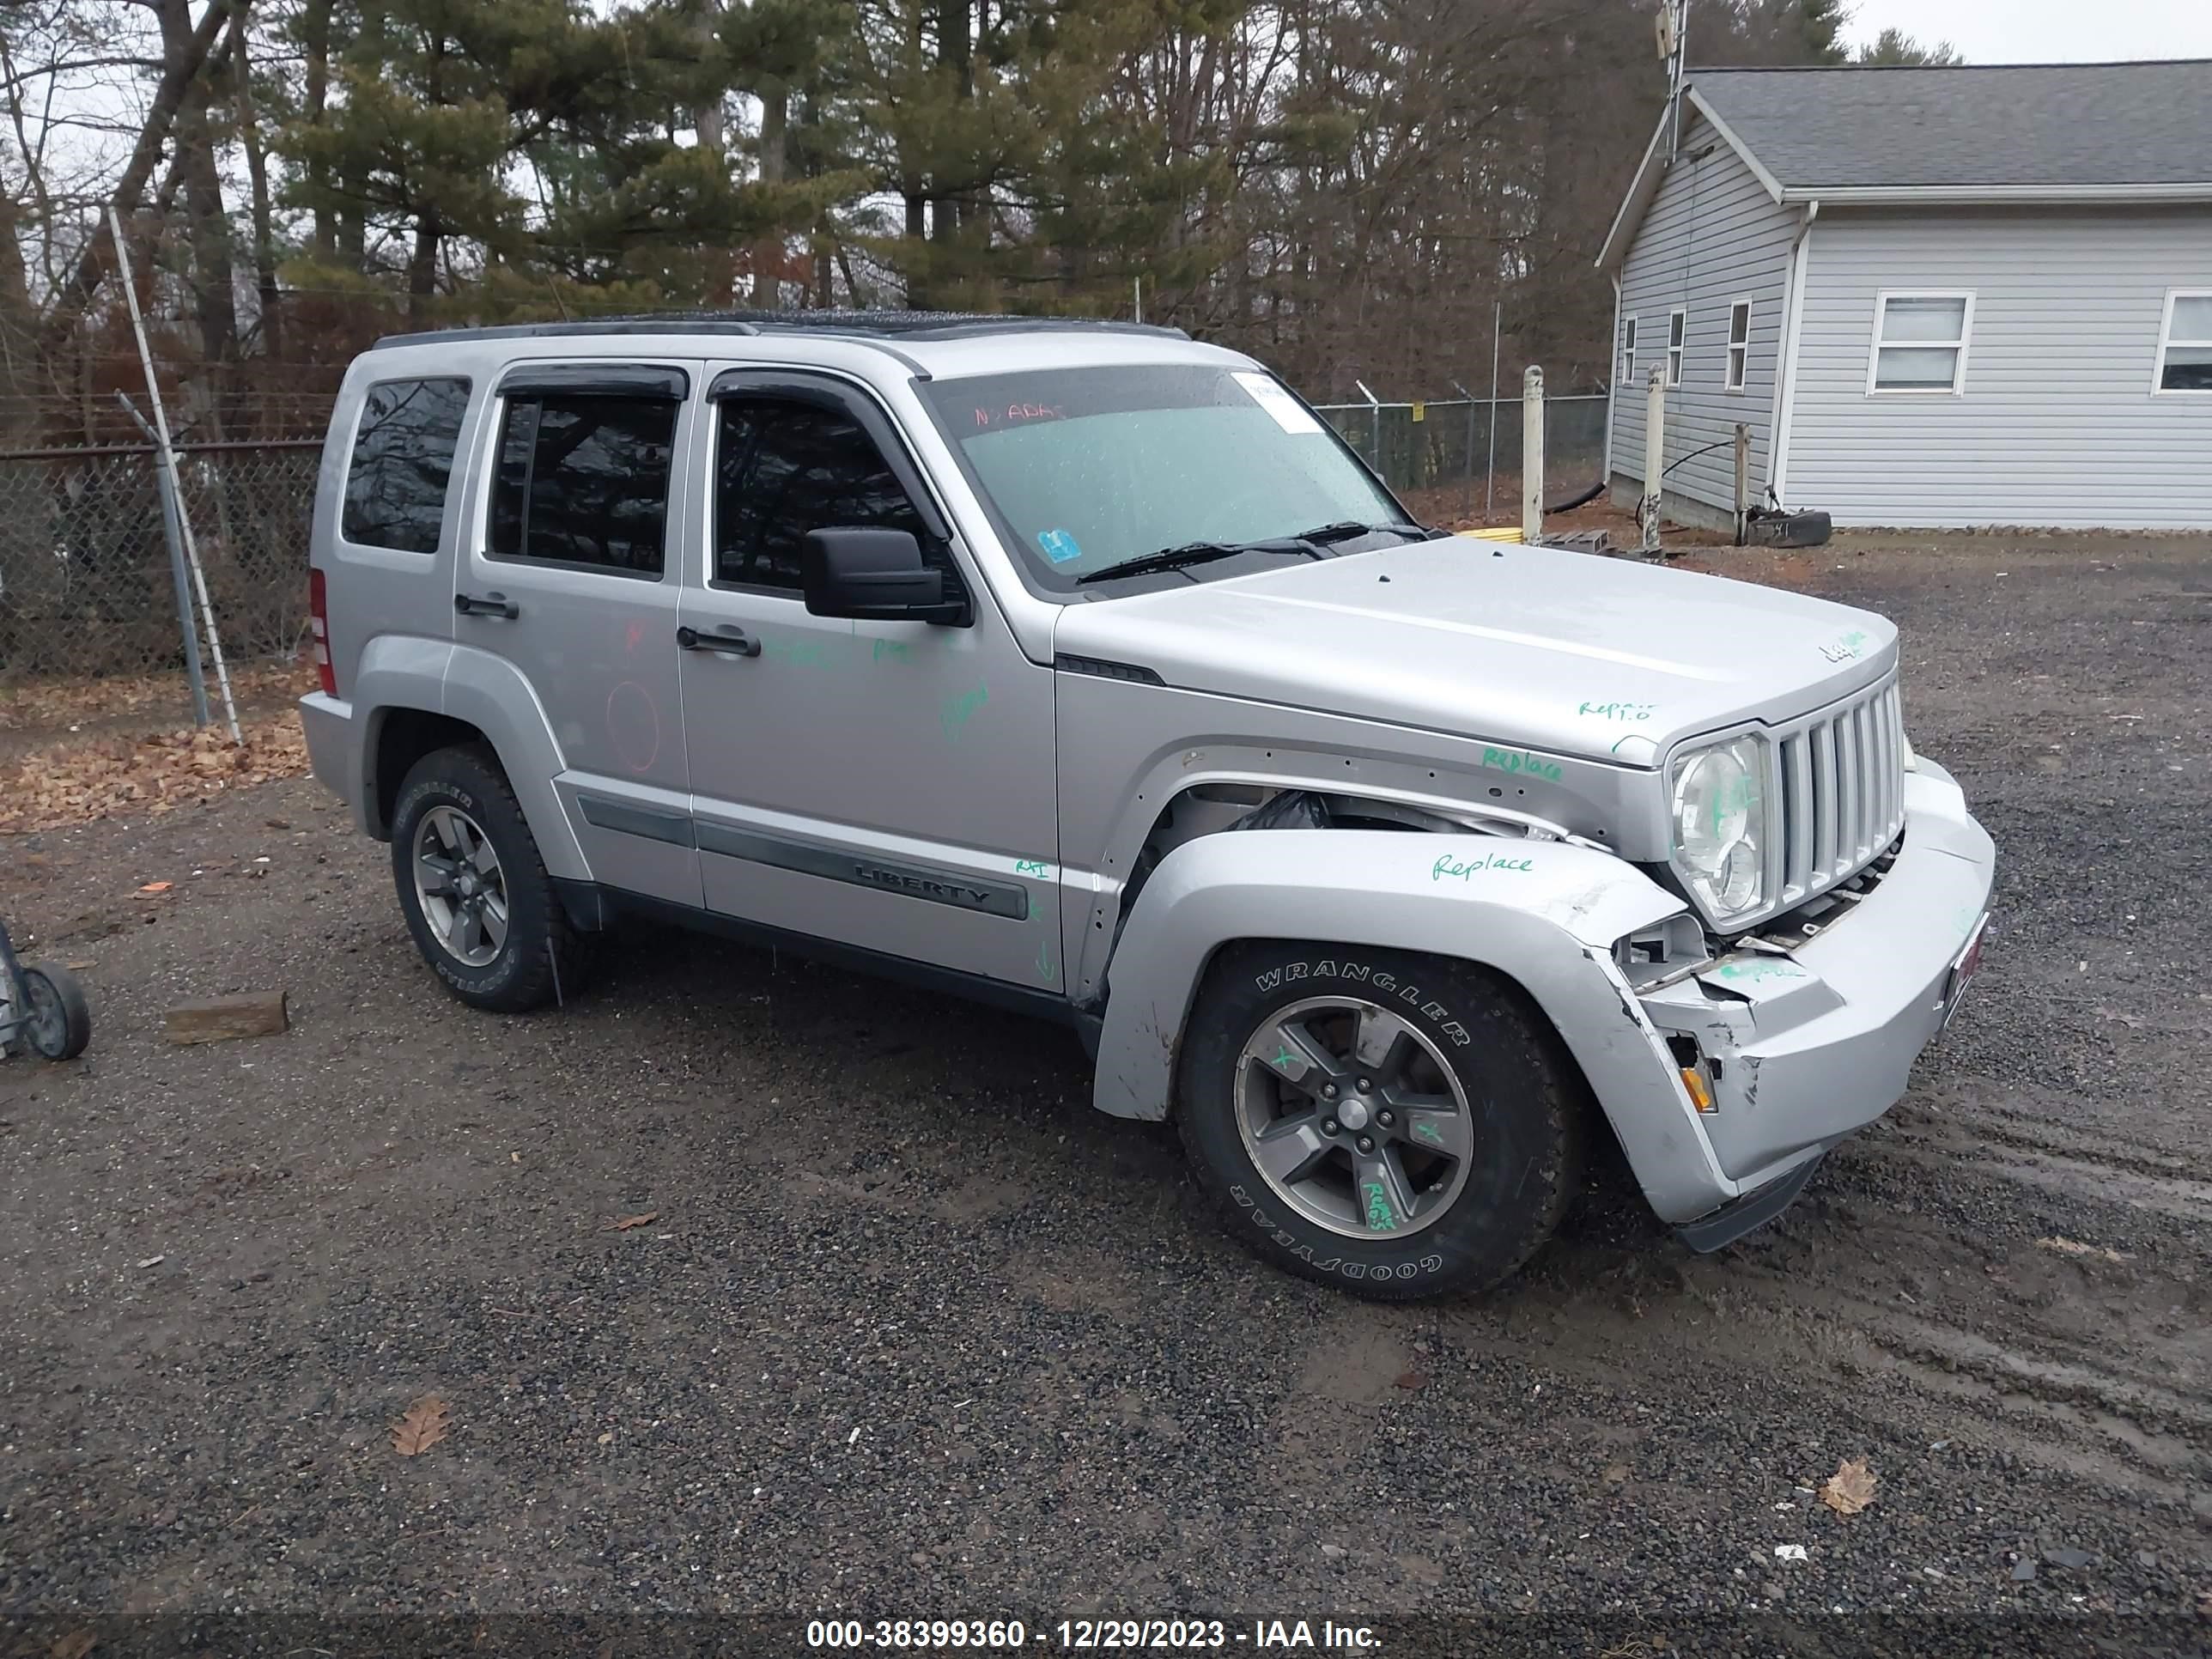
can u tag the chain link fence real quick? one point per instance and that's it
(86, 588)
(1476, 443)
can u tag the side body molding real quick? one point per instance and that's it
(1544, 913)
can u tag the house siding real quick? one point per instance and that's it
(1712, 236)
(2056, 425)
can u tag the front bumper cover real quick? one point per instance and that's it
(1808, 1047)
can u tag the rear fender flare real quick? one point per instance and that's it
(1544, 913)
(495, 697)
(395, 672)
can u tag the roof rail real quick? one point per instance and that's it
(854, 325)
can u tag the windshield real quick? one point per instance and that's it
(1084, 468)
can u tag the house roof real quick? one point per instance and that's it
(1959, 134)
(2003, 124)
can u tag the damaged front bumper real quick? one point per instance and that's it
(1803, 1047)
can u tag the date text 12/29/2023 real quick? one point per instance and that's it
(1115, 1635)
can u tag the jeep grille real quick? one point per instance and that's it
(1842, 792)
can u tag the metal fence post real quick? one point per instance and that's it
(169, 459)
(1497, 346)
(179, 580)
(1654, 451)
(1469, 396)
(1532, 453)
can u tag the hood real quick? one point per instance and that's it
(1534, 647)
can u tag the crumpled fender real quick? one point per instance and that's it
(1545, 913)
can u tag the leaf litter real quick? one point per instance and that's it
(73, 781)
(421, 1426)
(1850, 1488)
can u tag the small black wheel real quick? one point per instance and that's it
(1394, 1125)
(474, 890)
(58, 1020)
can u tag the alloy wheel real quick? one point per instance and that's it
(1352, 1117)
(460, 886)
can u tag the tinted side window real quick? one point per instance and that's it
(783, 469)
(403, 458)
(583, 480)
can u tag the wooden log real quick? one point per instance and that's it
(256, 1013)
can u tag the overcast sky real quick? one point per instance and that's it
(2043, 31)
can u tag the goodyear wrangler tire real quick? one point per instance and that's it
(477, 900)
(1396, 1125)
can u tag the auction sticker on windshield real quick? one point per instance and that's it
(1288, 412)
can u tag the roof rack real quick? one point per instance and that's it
(859, 324)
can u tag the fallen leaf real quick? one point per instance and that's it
(79, 967)
(157, 887)
(1849, 1489)
(75, 1645)
(421, 1427)
(1411, 1380)
(630, 1221)
(2080, 1251)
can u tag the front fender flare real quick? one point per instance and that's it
(1544, 913)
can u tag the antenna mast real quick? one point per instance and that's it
(1673, 28)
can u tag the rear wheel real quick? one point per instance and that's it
(1399, 1126)
(475, 892)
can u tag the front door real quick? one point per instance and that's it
(572, 577)
(887, 785)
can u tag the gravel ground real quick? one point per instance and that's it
(914, 1332)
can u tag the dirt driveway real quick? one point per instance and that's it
(914, 1332)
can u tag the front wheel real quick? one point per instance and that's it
(1398, 1126)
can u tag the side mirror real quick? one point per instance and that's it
(873, 575)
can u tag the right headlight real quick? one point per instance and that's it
(1719, 812)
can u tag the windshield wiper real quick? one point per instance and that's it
(1190, 553)
(1345, 530)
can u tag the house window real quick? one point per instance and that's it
(2185, 343)
(1628, 351)
(1678, 329)
(1739, 346)
(1920, 342)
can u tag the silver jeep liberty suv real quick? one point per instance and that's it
(1079, 668)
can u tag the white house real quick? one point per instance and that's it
(1941, 297)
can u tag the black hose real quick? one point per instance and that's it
(1694, 453)
(1583, 499)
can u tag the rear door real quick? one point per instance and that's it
(884, 784)
(571, 576)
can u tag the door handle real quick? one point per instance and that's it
(727, 640)
(492, 605)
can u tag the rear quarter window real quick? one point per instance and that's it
(403, 461)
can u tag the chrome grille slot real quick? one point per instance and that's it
(1840, 790)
